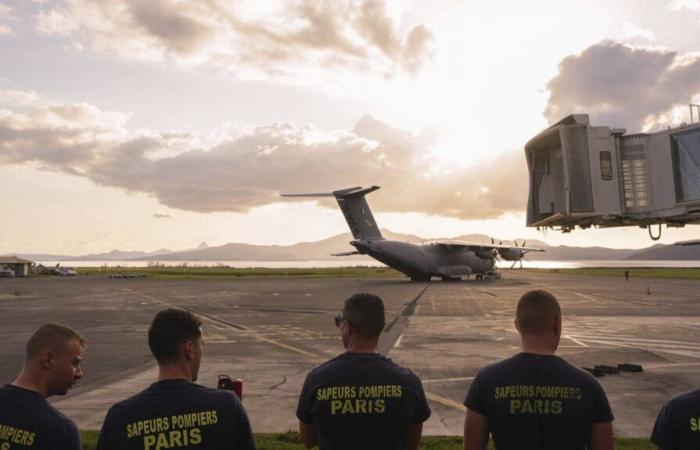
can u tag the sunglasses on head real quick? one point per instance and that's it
(340, 319)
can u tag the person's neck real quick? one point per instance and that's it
(362, 347)
(538, 347)
(26, 380)
(174, 372)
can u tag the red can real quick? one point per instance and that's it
(238, 388)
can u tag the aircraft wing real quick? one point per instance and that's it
(346, 253)
(479, 245)
(691, 242)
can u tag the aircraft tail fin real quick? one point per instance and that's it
(355, 209)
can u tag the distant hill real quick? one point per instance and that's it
(322, 250)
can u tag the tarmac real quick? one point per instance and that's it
(271, 332)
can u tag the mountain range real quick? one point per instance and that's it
(322, 250)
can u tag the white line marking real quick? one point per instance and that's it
(442, 380)
(575, 340)
(398, 341)
(587, 297)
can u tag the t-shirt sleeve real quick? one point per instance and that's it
(245, 440)
(475, 397)
(107, 439)
(602, 412)
(664, 433)
(305, 402)
(69, 437)
(422, 411)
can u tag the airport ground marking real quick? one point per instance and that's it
(573, 339)
(434, 397)
(232, 325)
(445, 401)
(447, 380)
(587, 297)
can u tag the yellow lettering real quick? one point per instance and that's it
(5, 446)
(162, 441)
(556, 407)
(362, 406)
(347, 407)
(195, 436)
(175, 439)
(214, 416)
(693, 424)
(379, 406)
(515, 406)
(335, 406)
(148, 442)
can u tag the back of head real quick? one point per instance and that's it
(169, 330)
(365, 312)
(51, 337)
(537, 312)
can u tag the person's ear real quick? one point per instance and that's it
(557, 326)
(47, 360)
(515, 322)
(188, 350)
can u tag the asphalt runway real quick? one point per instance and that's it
(270, 333)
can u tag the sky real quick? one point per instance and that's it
(135, 125)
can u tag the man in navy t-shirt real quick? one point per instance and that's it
(536, 400)
(677, 426)
(361, 399)
(51, 367)
(175, 412)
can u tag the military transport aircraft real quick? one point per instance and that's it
(447, 259)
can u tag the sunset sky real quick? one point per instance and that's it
(139, 125)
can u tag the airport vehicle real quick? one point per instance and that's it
(446, 259)
(583, 175)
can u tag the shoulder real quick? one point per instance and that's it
(684, 399)
(60, 423)
(500, 367)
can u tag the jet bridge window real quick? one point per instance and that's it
(606, 171)
(686, 164)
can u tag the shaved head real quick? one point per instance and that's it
(51, 337)
(537, 312)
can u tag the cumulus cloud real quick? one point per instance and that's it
(679, 5)
(246, 37)
(253, 167)
(620, 85)
(7, 18)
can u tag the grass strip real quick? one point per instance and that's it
(290, 441)
(637, 272)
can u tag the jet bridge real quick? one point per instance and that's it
(583, 175)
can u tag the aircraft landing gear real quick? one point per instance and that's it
(421, 278)
(490, 275)
(451, 279)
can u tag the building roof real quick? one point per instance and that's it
(11, 259)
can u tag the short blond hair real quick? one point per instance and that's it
(537, 311)
(51, 336)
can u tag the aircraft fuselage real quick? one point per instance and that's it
(424, 261)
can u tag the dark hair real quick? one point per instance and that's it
(169, 330)
(51, 336)
(537, 310)
(365, 312)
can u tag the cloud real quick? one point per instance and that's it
(624, 86)
(247, 38)
(253, 167)
(6, 17)
(680, 5)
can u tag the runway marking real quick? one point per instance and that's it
(573, 339)
(230, 324)
(434, 397)
(445, 380)
(445, 401)
(587, 297)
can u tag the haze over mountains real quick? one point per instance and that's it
(322, 250)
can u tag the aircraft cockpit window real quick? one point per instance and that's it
(606, 171)
(686, 157)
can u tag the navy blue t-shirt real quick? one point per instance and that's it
(362, 401)
(177, 414)
(28, 421)
(677, 426)
(538, 402)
